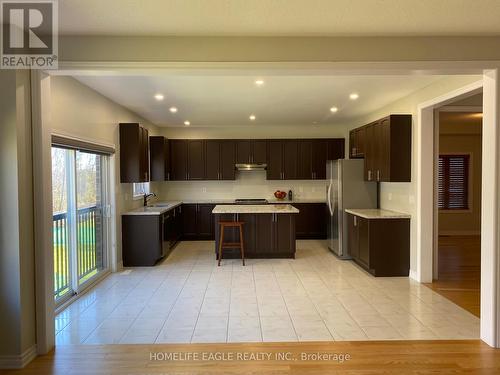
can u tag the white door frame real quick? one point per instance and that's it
(437, 112)
(424, 173)
(489, 200)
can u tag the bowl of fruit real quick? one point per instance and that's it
(280, 195)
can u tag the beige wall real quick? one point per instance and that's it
(402, 196)
(466, 140)
(79, 111)
(277, 49)
(17, 285)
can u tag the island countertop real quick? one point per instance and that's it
(374, 213)
(255, 209)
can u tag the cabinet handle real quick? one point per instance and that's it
(168, 176)
(355, 221)
(378, 175)
(369, 175)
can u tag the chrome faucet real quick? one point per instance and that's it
(147, 196)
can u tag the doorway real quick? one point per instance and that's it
(79, 200)
(458, 182)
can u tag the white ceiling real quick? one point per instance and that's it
(224, 100)
(279, 17)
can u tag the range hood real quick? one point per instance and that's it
(251, 167)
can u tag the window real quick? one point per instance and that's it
(453, 193)
(139, 189)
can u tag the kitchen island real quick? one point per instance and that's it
(268, 232)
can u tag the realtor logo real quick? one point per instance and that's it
(29, 34)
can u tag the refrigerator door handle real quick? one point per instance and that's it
(329, 199)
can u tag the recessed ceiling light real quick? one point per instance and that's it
(353, 96)
(259, 82)
(173, 109)
(334, 109)
(187, 123)
(252, 117)
(159, 97)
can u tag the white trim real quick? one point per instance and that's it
(18, 361)
(82, 139)
(42, 220)
(277, 67)
(119, 266)
(425, 177)
(490, 211)
(413, 275)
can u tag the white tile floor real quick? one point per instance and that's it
(314, 297)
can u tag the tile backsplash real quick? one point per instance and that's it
(248, 184)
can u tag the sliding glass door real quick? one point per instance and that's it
(79, 189)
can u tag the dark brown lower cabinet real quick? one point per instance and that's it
(311, 221)
(148, 238)
(381, 246)
(265, 235)
(197, 221)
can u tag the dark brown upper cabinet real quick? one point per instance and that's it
(287, 159)
(274, 160)
(178, 160)
(305, 160)
(220, 158)
(282, 159)
(388, 149)
(336, 148)
(196, 159)
(134, 152)
(290, 159)
(250, 151)
(357, 139)
(159, 158)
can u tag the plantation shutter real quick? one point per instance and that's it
(453, 174)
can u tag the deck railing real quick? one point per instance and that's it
(87, 223)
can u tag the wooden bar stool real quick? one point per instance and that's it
(231, 245)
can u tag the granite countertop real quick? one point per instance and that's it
(375, 213)
(298, 200)
(255, 209)
(157, 208)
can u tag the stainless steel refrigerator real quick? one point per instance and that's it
(346, 189)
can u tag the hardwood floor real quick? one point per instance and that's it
(375, 357)
(460, 271)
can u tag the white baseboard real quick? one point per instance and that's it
(460, 233)
(18, 361)
(413, 275)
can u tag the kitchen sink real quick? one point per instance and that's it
(161, 205)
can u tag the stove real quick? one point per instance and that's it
(251, 201)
